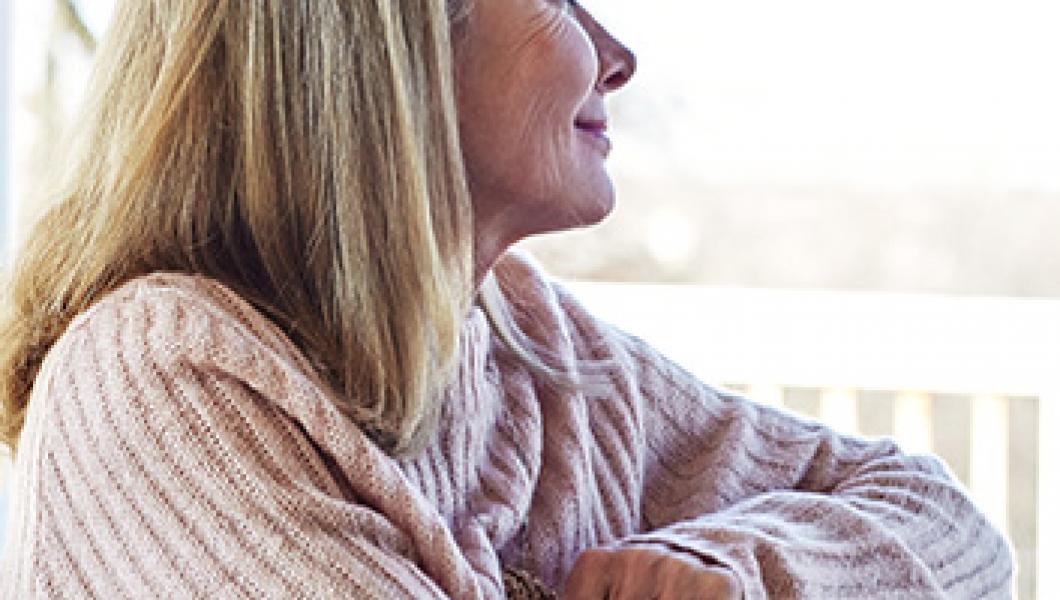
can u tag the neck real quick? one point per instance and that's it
(488, 250)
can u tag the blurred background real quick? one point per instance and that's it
(843, 208)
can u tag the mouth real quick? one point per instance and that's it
(595, 130)
(590, 125)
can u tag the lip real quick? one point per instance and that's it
(591, 123)
(595, 131)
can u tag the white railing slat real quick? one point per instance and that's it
(913, 420)
(839, 409)
(1049, 494)
(989, 457)
(767, 394)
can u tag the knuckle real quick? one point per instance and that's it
(591, 558)
(721, 583)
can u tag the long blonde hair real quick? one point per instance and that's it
(304, 153)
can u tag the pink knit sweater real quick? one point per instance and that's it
(178, 446)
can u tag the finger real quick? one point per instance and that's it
(723, 584)
(677, 581)
(590, 578)
(637, 574)
(708, 583)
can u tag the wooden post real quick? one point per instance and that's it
(912, 422)
(839, 409)
(989, 457)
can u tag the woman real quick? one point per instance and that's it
(270, 344)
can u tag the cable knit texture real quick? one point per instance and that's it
(179, 446)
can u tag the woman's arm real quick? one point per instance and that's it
(798, 511)
(793, 508)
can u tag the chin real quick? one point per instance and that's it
(588, 213)
(600, 212)
(603, 204)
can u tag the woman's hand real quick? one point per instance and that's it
(648, 572)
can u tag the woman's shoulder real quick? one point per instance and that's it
(175, 304)
(180, 344)
(164, 302)
(165, 319)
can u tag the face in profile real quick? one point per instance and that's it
(531, 78)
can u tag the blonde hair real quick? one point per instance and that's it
(303, 153)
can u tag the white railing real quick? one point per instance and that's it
(988, 350)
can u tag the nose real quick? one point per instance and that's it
(617, 62)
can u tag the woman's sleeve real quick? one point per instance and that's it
(798, 511)
(163, 470)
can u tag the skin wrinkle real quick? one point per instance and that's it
(548, 21)
(542, 106)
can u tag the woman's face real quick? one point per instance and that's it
(531, 77)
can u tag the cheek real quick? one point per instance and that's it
(523, 132)
(517, 125)
(554, 89)
(562, 75)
